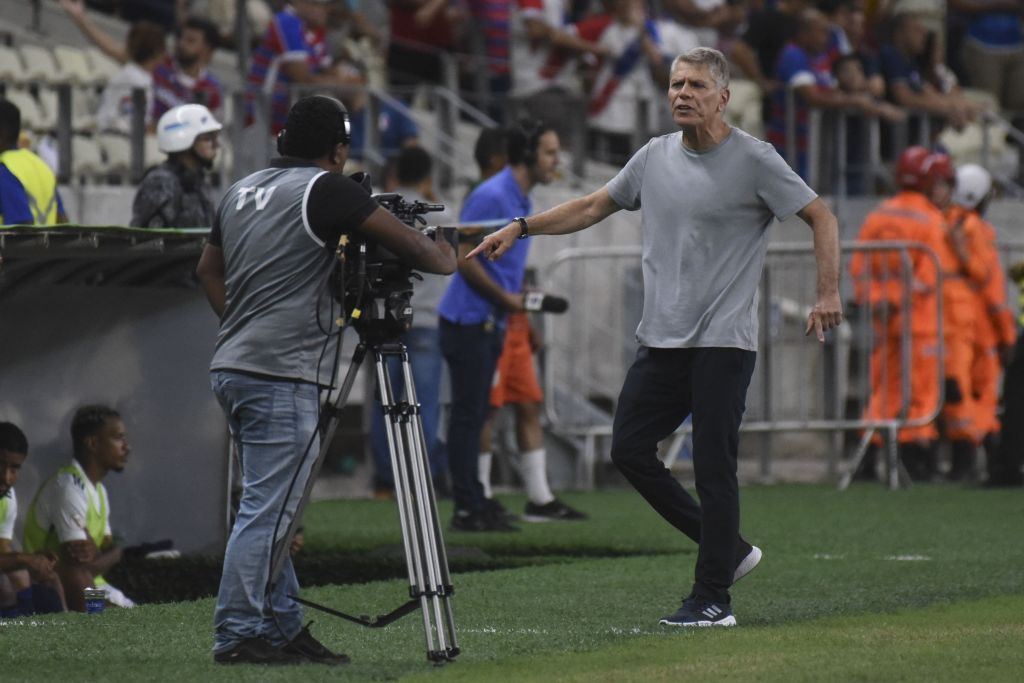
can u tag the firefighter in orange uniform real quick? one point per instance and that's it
(959, 313)
(995, 330)
(879, 280)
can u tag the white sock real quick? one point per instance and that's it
(533, 470)
(484, 472)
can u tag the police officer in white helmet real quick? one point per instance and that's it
(175, 194)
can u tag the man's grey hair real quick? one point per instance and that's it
(714, 60)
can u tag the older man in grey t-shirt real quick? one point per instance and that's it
(709, 194)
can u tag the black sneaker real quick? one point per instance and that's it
(257, 651)
(494, 508)
(306, 646)
(464, 520)
(699, 613)
(555, 510)
(747, 564)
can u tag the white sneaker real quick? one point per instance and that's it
(747, 564)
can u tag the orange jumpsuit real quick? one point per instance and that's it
(995, 326)
(879, 281)
(959, 318)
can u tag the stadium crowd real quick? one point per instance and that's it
(921, 68)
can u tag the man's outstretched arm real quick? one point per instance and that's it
(571, 216)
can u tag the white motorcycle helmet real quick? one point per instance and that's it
(179, 127)
(973, 183)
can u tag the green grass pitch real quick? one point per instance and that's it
(868, 585)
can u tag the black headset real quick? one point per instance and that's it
(342, 135)
(530, 131)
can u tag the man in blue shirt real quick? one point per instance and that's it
(473, 312)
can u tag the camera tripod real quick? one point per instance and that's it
(430, 585)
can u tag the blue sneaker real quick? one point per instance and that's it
(699, 613)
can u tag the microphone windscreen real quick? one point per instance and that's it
(545, 303)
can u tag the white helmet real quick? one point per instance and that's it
(973, 183)
(179, 127)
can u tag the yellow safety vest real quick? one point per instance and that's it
(3, 508)
(38, 539)
(39, 182)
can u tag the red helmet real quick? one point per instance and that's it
(938, 165)
(911, 168)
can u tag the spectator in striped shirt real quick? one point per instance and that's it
(293, 50)
(170, 81)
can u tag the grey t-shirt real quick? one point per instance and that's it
(278, 229)
(705, 232)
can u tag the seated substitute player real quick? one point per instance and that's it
(28, 581)
(70, 515)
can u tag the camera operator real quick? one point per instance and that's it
(266, 272)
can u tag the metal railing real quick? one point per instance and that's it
(798, 385)
(829, 168)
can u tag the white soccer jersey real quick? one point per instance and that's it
(63, 503)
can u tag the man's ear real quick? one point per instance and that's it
(725, 99)
(338, 153)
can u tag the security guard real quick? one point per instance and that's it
(28, 187)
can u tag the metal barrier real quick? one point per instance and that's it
(829, 145)
(798, 384)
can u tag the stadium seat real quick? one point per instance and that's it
(117, 150)
(225, 155)
(40, 66)
(103, 67)
(73, 66)
(744, 110)
(83, 110)
(965, 145)
(153, 156)
(31, 115)
(86, 159)
(48, 108)
(11, 68)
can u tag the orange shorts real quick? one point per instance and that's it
(515, 379)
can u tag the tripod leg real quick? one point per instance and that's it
(441, 579)
(412, 540)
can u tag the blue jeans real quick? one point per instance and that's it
(273, 424)
(472, 353)
(423, 346)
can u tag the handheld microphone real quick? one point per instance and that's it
(545, 303)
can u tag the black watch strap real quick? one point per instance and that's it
(524, 229)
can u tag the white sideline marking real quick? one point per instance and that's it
(491, 630)
(892, 558)
(505, 631)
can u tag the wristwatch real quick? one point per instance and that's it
(524, 229)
